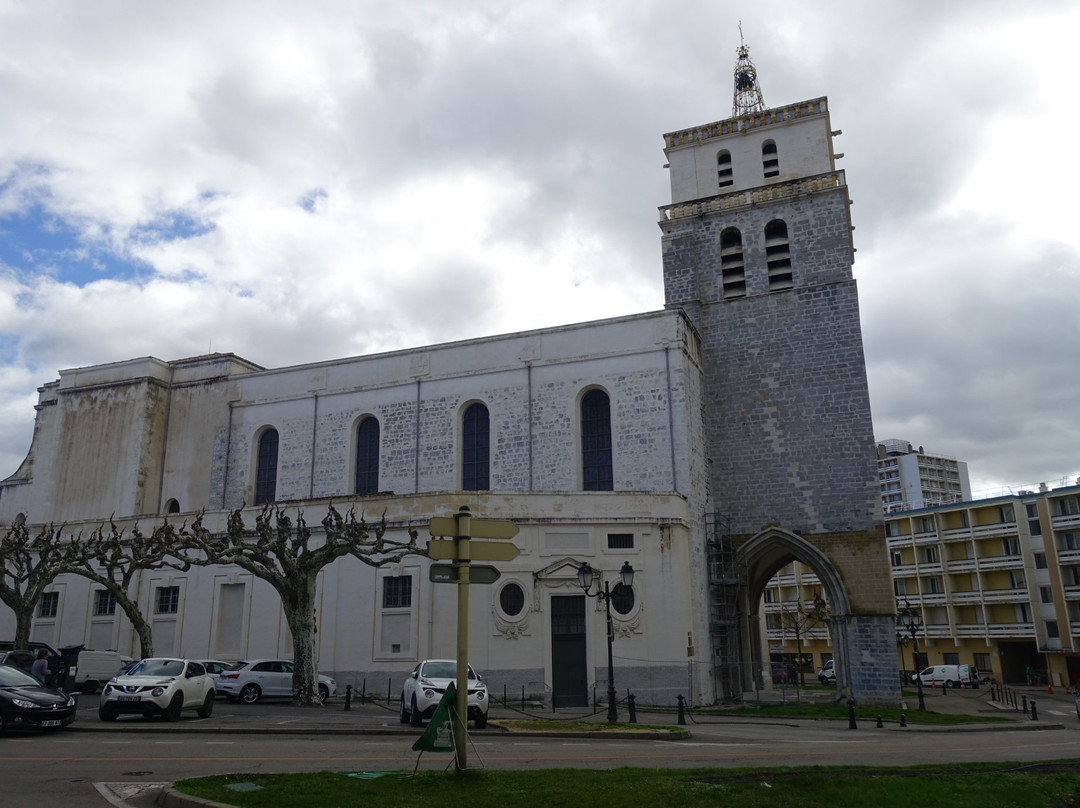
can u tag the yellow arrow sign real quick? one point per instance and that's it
(479, 528)
(446, 550)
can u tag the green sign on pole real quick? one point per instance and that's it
(439, 735)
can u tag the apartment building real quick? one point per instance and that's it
(910, 478)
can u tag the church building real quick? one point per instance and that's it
(708, 444)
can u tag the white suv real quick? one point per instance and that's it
(425, 687)
(159, 687)
(250, 681)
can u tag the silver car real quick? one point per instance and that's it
(250, 681)
(162, 687)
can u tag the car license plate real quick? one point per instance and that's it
(129, 698)
(54, 723)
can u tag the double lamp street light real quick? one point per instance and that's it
(910, 620)
(585, 576)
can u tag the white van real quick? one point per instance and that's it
(96, 668)
(948, 676)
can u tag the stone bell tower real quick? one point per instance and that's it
(757, 249)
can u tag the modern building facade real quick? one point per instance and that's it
(911, 479)
(709, 444)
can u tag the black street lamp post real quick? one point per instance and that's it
(585, 576)
(910, 619)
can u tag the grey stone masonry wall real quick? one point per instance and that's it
(788, 411)
(871, 661)
(787, 408)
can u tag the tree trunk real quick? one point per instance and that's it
(299, 605)
(23, 618)
(140, 624)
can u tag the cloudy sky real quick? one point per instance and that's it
(296, 184)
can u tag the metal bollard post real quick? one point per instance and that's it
(851, 714)
(903, 720)
(1024, 697)
(1034, 712)
(363, 691)
(879, 724)
(682, 711)
(630, 699)
(348, 698)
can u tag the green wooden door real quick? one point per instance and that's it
(569, 674)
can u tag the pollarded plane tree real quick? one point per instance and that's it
(29, 563)
(289, 556)
(113, 560)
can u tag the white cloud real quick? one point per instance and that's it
(294, 184)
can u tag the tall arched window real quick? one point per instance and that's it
(475, 449)
(770, 159)
(367, 457)
(732, 274)
(723, 169)
(778, 256)
(596, 442)
(266, 468)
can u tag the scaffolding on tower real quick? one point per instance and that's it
(748, 97)
(727, 581)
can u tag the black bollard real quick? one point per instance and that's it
(992, 692)
(879, 724)
(630, 699)
(682, 711)
(1034, 712)
(903, 720)
(363, 691)
(348, 698)
(851, 714)
(1024, 697)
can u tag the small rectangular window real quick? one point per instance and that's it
(1052, 631)
(982, 662)
(1046, 594)
(892, 529)
(49, 604)
(620, 541)
(897, 558)
(1040, 561)
(168, 600)
(104, 603)
(397, 592)
(950, 659)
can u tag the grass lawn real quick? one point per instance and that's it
(1054, 785)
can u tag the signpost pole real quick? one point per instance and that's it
(462, 565)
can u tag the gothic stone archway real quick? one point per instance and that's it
(855, 581)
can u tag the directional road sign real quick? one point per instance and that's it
(478, 574)
(446, 550)
(478, 528)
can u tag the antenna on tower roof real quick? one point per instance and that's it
(748, 97)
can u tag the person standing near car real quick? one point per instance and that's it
(40, 669)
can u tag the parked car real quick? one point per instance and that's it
(159, 687)
(827, 674)
(26, 702)
(23, 658)
(214, 669)
(252, 680)
(425, 687)
(783, 674)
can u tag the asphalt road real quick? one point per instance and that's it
(67, 768)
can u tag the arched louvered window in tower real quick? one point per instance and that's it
(770, 159)
(732, 274)
(724, 174)
(778, 256)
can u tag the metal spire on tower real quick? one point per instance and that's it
(748, 97)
